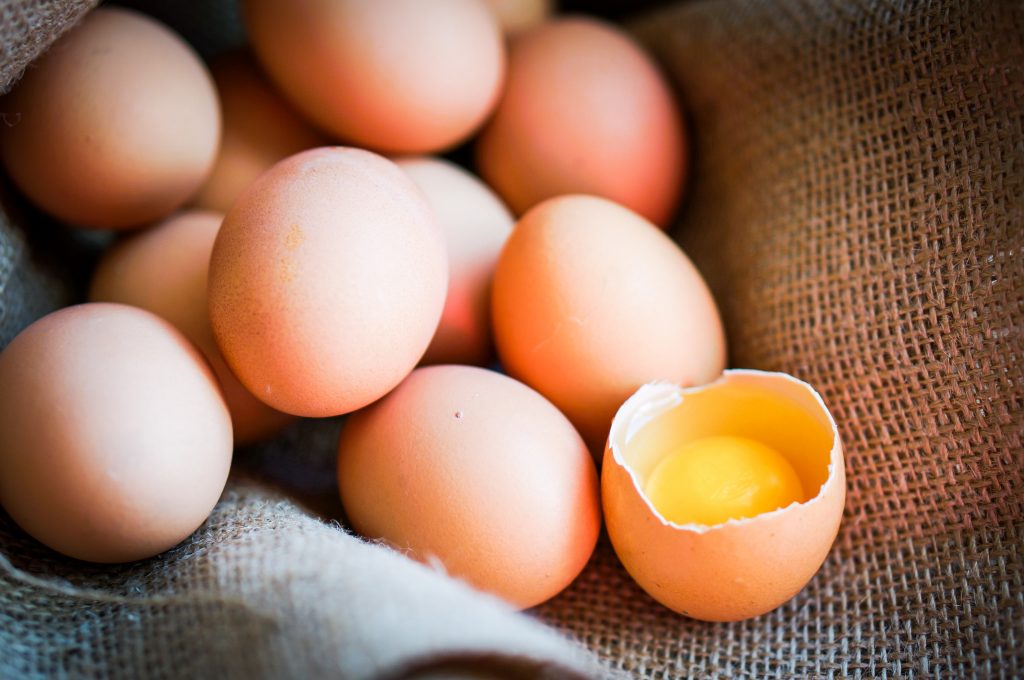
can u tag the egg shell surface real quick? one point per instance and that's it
(474, 470)
(402, 76)
(115, 443)
(327, 281)
(585, 111)
(164, 270)
(116, 126)
(475, 224)
(260, 128)
(740, 568)
(590, 301)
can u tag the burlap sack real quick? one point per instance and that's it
(857, 204)
(858, 208)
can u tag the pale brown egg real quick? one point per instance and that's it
(164, 270)
(115, 126)
(402, 76)
(590, 301)
(518, 15)
(327, 281)
(475, 224)
(115, 443)
(586, 111)
(260, 128)
(472, 470)
(738, 568)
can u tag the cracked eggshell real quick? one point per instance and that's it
(741, 568)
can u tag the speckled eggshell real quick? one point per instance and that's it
(327, 281)
(475, 224)
(260, 128)
(473, 470)
(401, 76)
(741, 568)
(115, 443)
(115, 126)
(585, 110)
(590, 301)
(164, 270)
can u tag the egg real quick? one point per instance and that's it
(115, 126)
(115, 443)
(733, 564)
(713, 479)
(518, 15)
(475, 472)
(402, 76)
(590, 301)
(164, 270)
(475, 224)
(585, 110)
(327, 281)
(259, 129)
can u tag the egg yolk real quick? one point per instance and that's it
(713, 479)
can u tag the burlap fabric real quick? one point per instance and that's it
(857, 205)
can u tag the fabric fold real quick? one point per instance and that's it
(263, 589)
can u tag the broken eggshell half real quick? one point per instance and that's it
(740, 568)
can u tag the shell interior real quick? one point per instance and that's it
(773, 408)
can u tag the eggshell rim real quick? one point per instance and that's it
(638, 411)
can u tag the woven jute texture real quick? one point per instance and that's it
(857, 204)
(858, 209)
(27, 27)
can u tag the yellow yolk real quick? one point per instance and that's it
(711, 480)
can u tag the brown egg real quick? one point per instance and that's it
(590, 301)
(164, 270)
(585, 110)
(115, 126)
(469, 468)
(327, 281)
(475, 224)
(518, 15)
(115, 443)
(742, 567)
(402, 76)
(260, 128)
